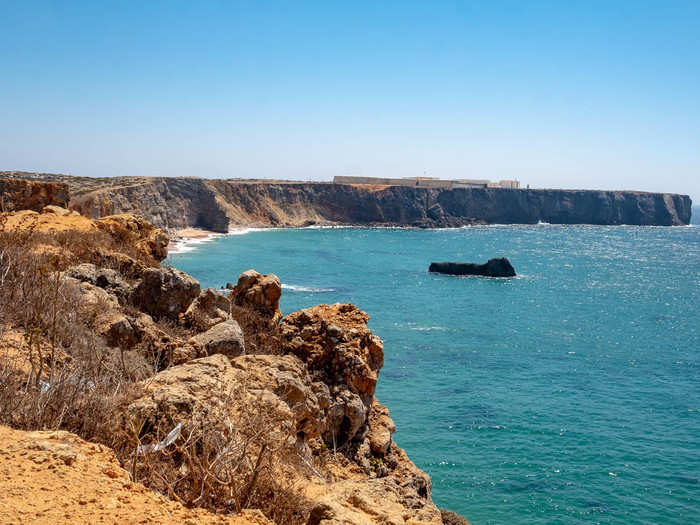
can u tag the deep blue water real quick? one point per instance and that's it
(570, 394)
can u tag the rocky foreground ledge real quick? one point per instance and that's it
(219, 403)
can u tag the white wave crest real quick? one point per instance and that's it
(305, 289)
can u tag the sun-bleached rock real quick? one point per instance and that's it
(260, 293)
(224, 338)
(276, 384)
(370, 502)
(209, 308)
(105, 278)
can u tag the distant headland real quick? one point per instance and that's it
(222, 204)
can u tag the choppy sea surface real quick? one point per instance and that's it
(570, 394)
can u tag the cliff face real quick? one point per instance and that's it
(18, 194)
(218, 205)
(165, 202)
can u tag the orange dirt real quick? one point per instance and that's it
(57, 478)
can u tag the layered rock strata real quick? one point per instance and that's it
(218, 205)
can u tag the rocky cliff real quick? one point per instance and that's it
(20, 194)
(218, 205)
(153, 383)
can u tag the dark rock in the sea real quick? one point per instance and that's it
(499, 267)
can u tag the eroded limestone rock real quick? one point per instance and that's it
(340, 351)
(224, 338)
(210, 308)
(105, 278)
(165, 292)
(369, 502)
(259, 292)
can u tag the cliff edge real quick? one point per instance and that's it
(123, 383)
(218, 205)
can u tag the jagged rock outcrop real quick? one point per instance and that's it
(341, 352)
(499, 267)
(165, 292)
(210, 308)
(225, 338)
(123, 241)
(20, 194)
(137, 232)
(260, 293)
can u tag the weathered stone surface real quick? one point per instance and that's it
(340, 351)
(91, 295)
(210, 308)
(369, 502)
(259, 292)
(57, 210)
(105, 278)
(224, 338)
(499, 267)
(165, 292)
(54, 477)
(278, 383)
(450, 517)
(19, 194)
(137, 232)
(381, 428)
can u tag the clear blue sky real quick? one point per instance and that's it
(556, 94)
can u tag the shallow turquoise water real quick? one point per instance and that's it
(570, 394)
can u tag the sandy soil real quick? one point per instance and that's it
(57, 478)
(192, 233)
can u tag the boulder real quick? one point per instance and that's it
(57, 210)
(499, 267)
(224, 338)
(149, 241)
(368, 502)
(164, 292)
(104, 278)
(258, 292)
(210, 308)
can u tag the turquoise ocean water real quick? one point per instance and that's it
(570, 394)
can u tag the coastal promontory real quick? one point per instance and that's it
(218, 205)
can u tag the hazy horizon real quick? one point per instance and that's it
(595, 96)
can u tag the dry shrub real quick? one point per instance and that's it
(237, 455)
(64, 377)
(60, 375)
(261, 336)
